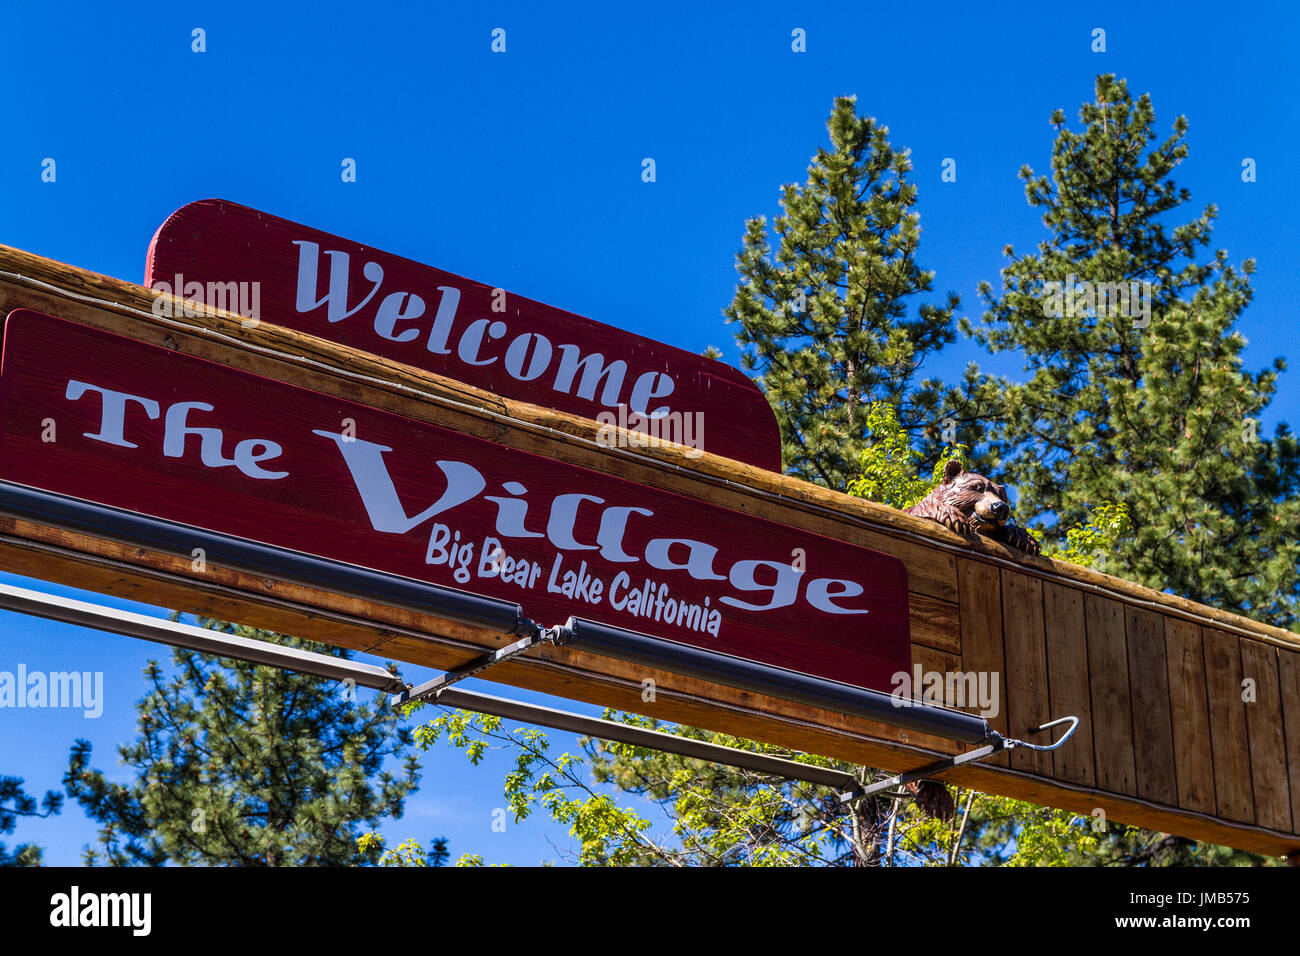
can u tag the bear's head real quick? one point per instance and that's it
(982, 501)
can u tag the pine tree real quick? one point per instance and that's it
(824, 321)
(247, 765)
(16, 802)
(1136, 392)
(721, 816)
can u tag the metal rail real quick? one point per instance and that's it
(70, 611)
(650, 739)
(501, 616)
(774, 681)
(440, 689)
(240, 554)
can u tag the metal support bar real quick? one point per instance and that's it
(437, 686)
(650, 739)
(202, 639)
(253, 557)
(773, 681)
(501, 616)
(929, 770)
(71, 611)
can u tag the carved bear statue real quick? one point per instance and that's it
(969, 503)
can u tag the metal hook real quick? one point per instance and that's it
(998, 744)
(1071, 720)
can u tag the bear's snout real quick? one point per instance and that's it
(991, 510)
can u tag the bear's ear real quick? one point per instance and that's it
(951, 470)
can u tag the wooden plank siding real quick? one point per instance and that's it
(1165, 739)
(1190, 716)
(1148, 678)
(1233, 786)
(1264, 726)
(1289, 690)
(1112, 737)
(1067, 679)
(935, 623)
(981, 637)
(1025, 648)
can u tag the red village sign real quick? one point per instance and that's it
(104, 418)
(311, 281)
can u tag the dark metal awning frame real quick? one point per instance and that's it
(502, 617)
(734, 672)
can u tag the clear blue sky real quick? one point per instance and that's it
(523, 170)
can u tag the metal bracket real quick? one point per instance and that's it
(433, 688)
(932, 770)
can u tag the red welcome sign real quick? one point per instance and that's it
(104, 418)
(288, 274)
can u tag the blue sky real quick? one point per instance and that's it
(523, 170)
